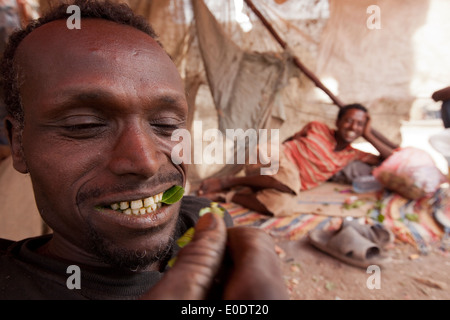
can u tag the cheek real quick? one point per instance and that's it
(51, 174)
(166, 146)
(55, 168)
(360, 128)
(50, 158)
(344, 127)
(167, 151)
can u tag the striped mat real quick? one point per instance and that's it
(287, 228)
(411, 221)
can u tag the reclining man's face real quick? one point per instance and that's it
(100, 106)
(351, 125)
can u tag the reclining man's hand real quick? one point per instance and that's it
(219, 263)
(368, 127)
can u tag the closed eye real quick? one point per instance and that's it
(167, 126)
(82, 127)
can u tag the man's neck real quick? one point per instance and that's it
(340, 144)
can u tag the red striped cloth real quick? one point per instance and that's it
(312, 150)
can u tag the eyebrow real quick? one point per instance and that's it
(72, 97)
(69, 97)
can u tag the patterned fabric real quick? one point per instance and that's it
(285, 228)
(411, 221)
(312, 150)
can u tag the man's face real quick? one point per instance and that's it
(100, 106)
(351, 125)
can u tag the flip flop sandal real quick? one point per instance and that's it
(376, 233)
(347, 245)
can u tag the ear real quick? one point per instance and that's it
(15, 139)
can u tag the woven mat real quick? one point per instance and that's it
(333, 199)
(411, 221)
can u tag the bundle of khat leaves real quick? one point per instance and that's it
(189, 234)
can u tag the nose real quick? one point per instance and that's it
(135, 153)
(354, 126)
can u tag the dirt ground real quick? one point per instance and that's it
(407, 275)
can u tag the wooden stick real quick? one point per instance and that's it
(297, 62)
(308, 72)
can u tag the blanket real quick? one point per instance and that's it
(411, 221)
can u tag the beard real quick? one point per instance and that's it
(130, 260)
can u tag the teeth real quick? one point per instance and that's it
(124, 205)
(139, 207)
(136, 204)
(148, 201)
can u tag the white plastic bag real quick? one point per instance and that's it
(410, 172)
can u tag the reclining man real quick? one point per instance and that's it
(310, 157)
(90, 117)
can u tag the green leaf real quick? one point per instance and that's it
(173, 195)
(172, 262)
(218, 211)
(204, 211)
(186, 237)
(412, 217)
(189, 234)
(214, 208)
(330, 285)
(354, 205)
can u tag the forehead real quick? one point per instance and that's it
(100, 49)
(94, 35)
(355, 114)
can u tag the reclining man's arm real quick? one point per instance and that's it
(381, 143)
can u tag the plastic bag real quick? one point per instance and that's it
(410, 172)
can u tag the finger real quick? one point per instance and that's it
(197, 264)
(257, 273)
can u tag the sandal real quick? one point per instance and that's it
(377, 233)
(348, 245)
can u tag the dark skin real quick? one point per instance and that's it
(97, 131)
(352, 125)
(442, 94)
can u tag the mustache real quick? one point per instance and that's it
(95, 192)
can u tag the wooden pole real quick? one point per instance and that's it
(308, 72)
(297, 61)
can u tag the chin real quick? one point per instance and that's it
(134, 258)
